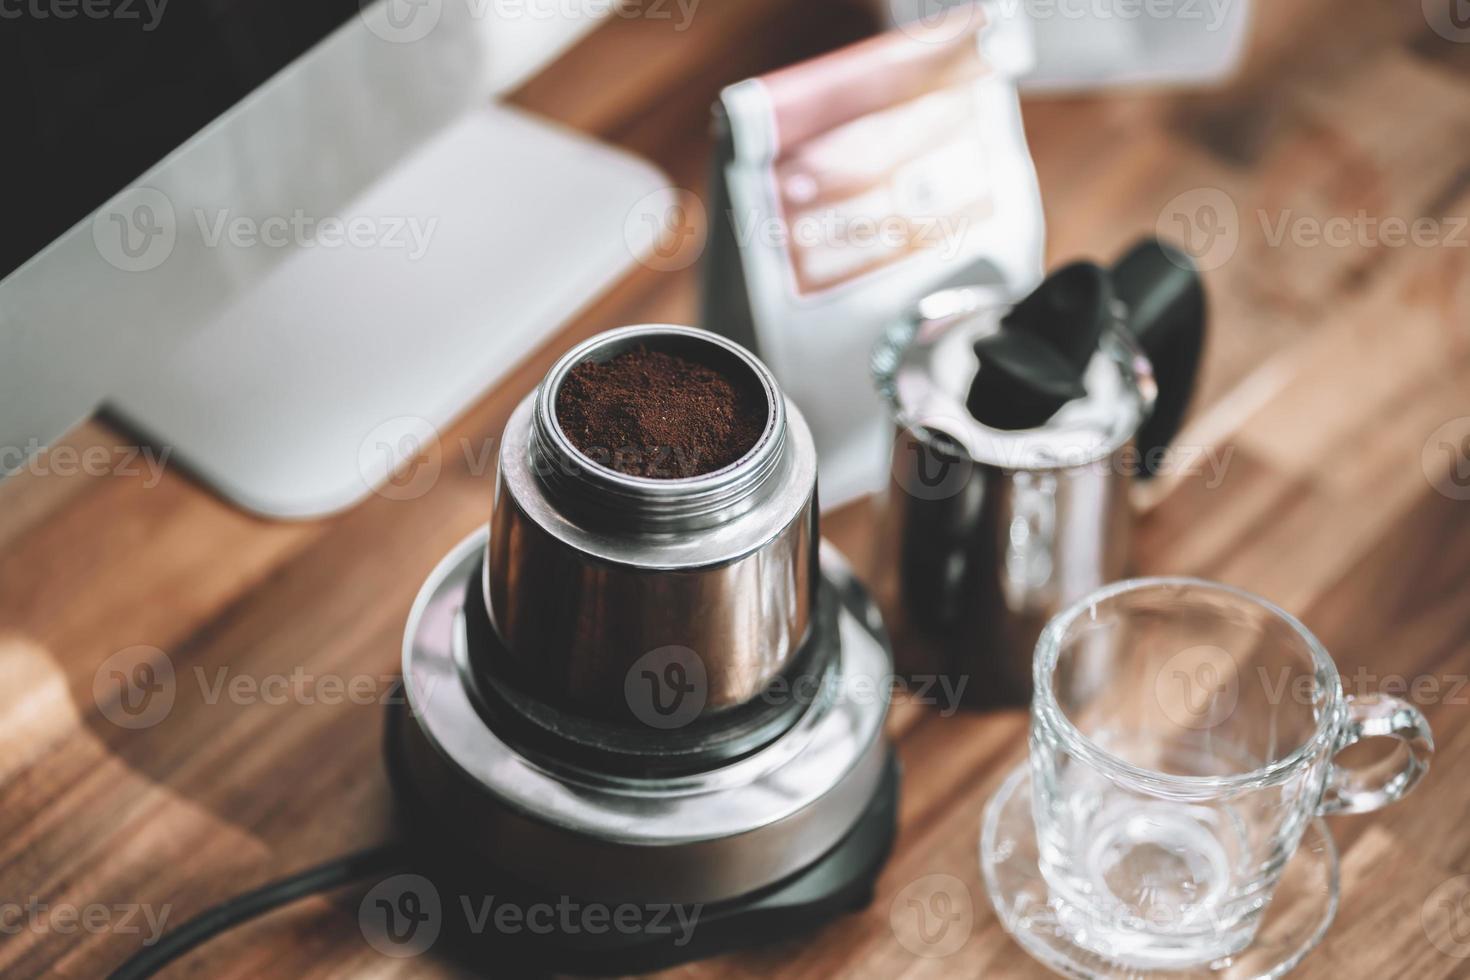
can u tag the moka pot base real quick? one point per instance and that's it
(767, 844)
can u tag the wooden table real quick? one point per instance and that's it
(1330, 372)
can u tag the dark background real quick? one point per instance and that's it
(90, 102)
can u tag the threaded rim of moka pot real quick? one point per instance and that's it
(598, 493)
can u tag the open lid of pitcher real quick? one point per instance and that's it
(1090, 359)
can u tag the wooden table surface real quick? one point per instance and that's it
(1337, 380)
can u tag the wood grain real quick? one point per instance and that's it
(1328, 371)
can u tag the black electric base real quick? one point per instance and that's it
(493, 922)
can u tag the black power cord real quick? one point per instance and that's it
(205, 926)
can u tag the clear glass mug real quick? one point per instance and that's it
(1183, 735)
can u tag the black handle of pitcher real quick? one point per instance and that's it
(1165, 298)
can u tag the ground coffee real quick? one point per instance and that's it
(654, 414)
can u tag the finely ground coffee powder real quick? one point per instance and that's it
(654, 414)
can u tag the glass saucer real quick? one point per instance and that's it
(1295, 922)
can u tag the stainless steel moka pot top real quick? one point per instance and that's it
(589, 569)
(631, 690)
(1019, 427)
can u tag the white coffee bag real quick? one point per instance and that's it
(848, 186)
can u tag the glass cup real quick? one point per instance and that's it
(1183, 734)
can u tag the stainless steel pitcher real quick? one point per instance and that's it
(992, 524)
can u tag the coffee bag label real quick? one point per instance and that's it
(883, 188)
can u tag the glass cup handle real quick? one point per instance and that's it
(1359, 790)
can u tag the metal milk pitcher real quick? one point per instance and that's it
(1019, 429)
